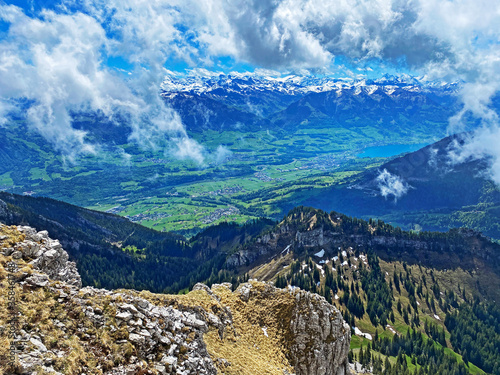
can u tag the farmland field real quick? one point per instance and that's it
(262, 175)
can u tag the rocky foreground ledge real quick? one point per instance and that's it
(66, 329)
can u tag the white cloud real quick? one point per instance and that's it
(484, 143)
(433, 158)
(222, 154)
(310, 33)
(57, 63)
(52, 63)
(390, 184)
(188, 148)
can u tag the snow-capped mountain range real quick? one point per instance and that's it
(295, 85)
(254, 101)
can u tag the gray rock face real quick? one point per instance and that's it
(264, 245)
(38, 280)
(312, 238)
(321, 338)
(47, 256)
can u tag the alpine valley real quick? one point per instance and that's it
(327, 230)
(271, 143)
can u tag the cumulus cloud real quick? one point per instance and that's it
(52, 63)
(55, 62)
(390, 184)
(310, 33)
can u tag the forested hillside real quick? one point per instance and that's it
(112, 252)
(433, 193)
(417, 302)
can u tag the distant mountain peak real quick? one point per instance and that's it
(296, 85)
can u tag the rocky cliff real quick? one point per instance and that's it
(63, 328)
(314, 230)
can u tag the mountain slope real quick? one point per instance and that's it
(306, 231)
(65, 329)
(421, 188)
(113, 252)
(406, 295)
(397, 289)
(204, 113)
(357, 107)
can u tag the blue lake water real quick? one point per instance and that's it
(389, 150)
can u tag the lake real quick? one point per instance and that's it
(389, 150)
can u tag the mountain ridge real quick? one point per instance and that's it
(421, 188)
(292, 84)
(309, 102)
(64, 328)
(307, 231)
(434, 276)
(203, 257)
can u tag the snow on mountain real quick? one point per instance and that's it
(291, 85)
(294, 85)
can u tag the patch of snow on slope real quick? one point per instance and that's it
(264, 329)
(320, 254)
(287, 249)
(358, 332)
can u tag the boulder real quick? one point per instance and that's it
(38, 280)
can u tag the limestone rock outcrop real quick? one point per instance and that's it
(45, 255)
(66, 329)
(321, 338)
(317, 338)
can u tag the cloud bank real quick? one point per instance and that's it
(55, 64)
